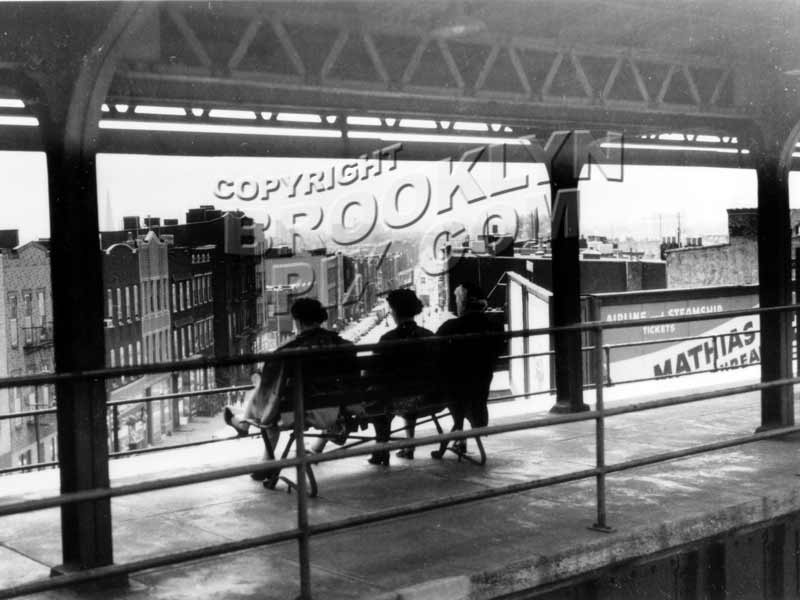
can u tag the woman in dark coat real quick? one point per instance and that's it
(468, 365)
(414, 361)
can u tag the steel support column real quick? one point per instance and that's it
(566, 162)
(774, 270)
(67, 104)
(78, 344)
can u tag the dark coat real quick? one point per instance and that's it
(416, 362)
(468, 365)
(325, 367)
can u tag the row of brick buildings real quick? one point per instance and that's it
(209, 287)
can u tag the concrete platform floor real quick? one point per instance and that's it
(479, 550)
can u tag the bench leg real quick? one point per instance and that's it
(266, 475)
(462, 453)
(275, 476)
(460, 450)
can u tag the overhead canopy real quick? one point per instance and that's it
(647, 68)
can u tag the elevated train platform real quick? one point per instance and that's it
(524, 545)
(565, 83)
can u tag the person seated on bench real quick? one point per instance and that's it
(468, 365)
(264, 401)
(415, 362)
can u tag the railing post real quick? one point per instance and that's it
(600, 449)
(796, 300)
(716, 353)
(36, 436)
(302, 491)
(115, 435)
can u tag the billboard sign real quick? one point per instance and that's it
(647, 351)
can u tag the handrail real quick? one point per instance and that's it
(205, 476)
(305, 530)
(296, 353)
(206, 392)
(322, 528)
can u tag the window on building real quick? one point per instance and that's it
(128, 306)
(175, 343)
(136, 301)
(174, 303)
(27, 316)
(119, 304)
(41, 307)
(13, 322)
(188, 284)
(109, 303)
(131, 355)
(111, 361)
(139, 351)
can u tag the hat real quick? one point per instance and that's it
(309, 310)
(404, 302)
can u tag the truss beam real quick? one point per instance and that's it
(287, 52)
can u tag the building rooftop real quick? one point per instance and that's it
(696, 248)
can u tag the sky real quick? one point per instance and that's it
(166, 186)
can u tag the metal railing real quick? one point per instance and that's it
(304, 530)
(586, 350)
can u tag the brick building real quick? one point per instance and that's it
(192, 310)
(26, 348)
(734, 263)
(236, 245)
(138, 324)
(328, 277)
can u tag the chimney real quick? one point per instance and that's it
(742, 224)
(130, 223)
(9, 238)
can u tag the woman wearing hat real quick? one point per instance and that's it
(415, 360)
(264, 401)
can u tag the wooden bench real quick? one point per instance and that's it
(379, 390)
